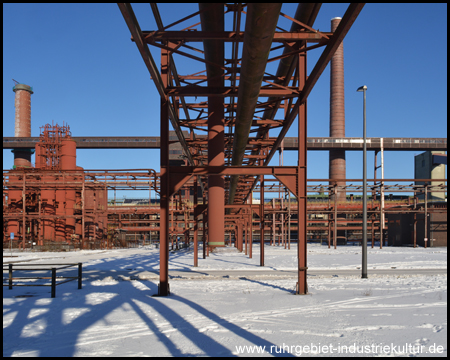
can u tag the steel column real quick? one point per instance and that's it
(272, 241)
(251, 234)
(289, 221)
(425, 230)
(246, 233)
(195, 222)
(302, 287)
(163, 287)
(261, 215)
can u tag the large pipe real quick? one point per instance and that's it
(305, 13)
(260, 26)
(213, 20)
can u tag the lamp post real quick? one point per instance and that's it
(364, 241)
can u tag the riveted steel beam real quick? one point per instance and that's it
(229, 36)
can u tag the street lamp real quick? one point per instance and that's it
(364, 241)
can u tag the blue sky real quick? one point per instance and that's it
(86, 72)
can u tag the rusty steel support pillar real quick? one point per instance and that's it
(185, 218)
(261, 214)
(283, 239)
(415, 230)
(251, 233)
(272, 240)
(335, 217)
(372, 229)
(83, 212)
(289, 222)
(302, 287)
(171, 222)
(329, 231)
(236, 235)
(204, 229)
(195, 222)
(246, 232)
(163, 286)
(24, 210)
(207, 233)
(425, 230)
(41, 232)
(242, 234)
(239, 234)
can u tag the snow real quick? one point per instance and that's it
(116, 314)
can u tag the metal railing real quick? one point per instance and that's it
(50, 267)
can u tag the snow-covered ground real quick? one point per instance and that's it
(341, 316)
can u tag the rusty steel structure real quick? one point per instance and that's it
(68, 209)
(215, 163)
(232, 86)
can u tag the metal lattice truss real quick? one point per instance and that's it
(241, 69)
(244, 63)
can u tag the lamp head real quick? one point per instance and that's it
(362, 88)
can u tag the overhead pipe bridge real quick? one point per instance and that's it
(225, 89)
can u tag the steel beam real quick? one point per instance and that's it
(231, 36)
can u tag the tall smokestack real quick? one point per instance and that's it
(337, 113)
(22, 158)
